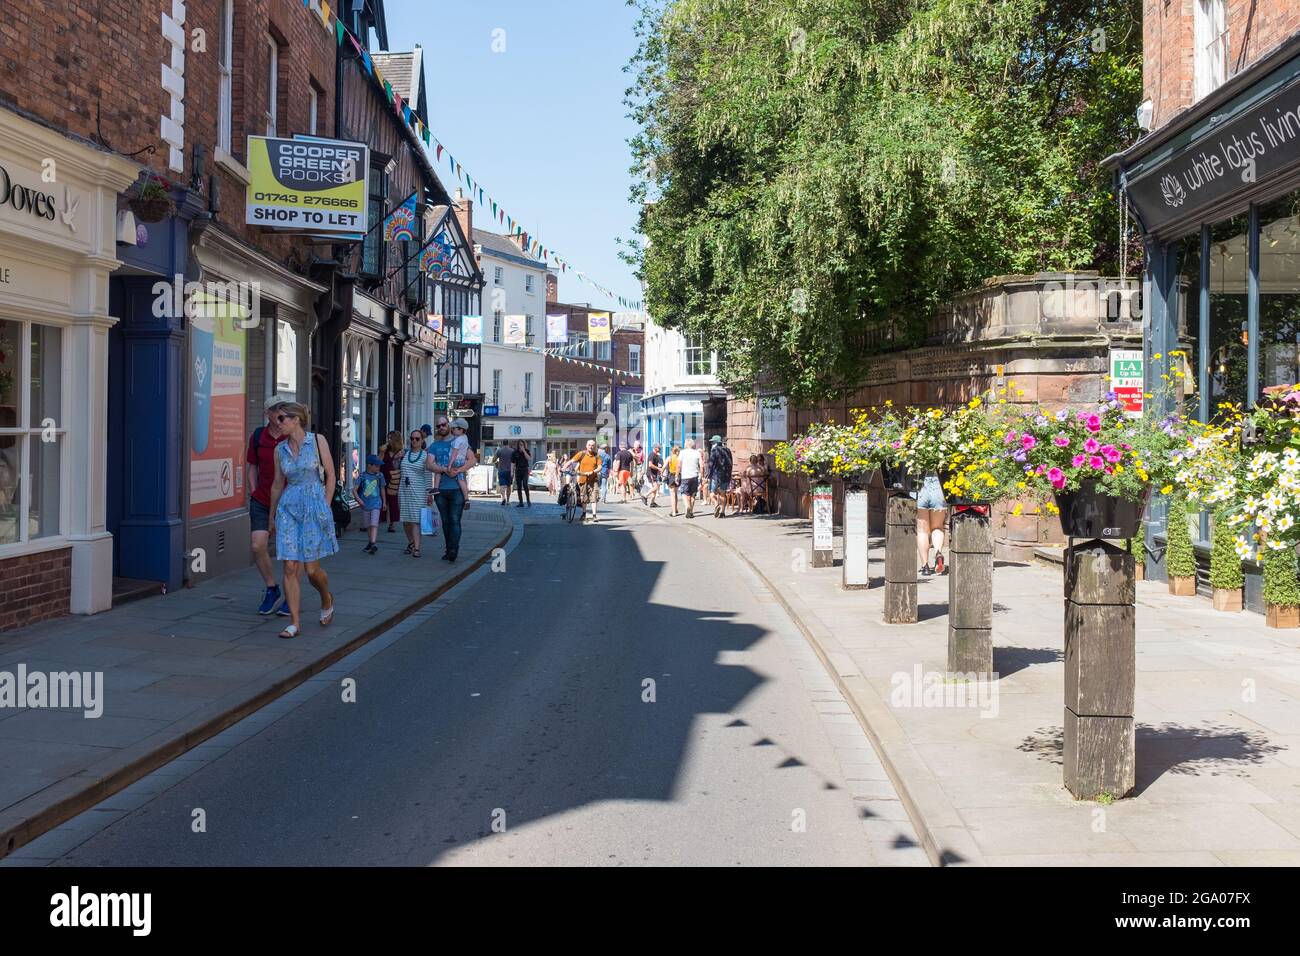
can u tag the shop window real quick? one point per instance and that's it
(1189, 311)
(360, 408)
(286, 358)
(31, 434)
(1229, 341)
(1279, 292)
(373, 258)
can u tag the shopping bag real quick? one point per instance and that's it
(429, 523)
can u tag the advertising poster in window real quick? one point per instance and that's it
(217, 395)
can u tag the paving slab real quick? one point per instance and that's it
(1217, 712)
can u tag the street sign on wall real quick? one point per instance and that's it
(1126, 379)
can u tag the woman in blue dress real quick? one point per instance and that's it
(300, 512)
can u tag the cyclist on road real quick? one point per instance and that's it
(587, 464)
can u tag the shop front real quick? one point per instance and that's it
(58, 217)
(566, 440)
(1217, 194)
(499, 431)
(671, 418)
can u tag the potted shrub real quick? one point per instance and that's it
(1180, 558)
(1281, 589)
(1226, 576)
(1138, 548)
(152, 201)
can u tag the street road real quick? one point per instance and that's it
(625, 693)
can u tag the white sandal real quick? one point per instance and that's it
(327, 614)
(290, 632)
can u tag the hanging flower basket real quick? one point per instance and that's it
(152, 201)
(1092, 513)
(945, 480)
(898, 481)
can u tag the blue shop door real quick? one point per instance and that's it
(116, 460)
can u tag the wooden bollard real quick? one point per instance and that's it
(856, 547)
(900, 559)
(823, 519)
(970, 591)
(1100, 670)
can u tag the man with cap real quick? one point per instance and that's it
(370, 489)
(719, 475)
(259, 474)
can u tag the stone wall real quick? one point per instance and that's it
(1046, 336)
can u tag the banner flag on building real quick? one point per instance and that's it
(437, 255)
(598, 326)
(471, 329)
(516, 332)
(400, 223)
(437, 323)
(557, 329)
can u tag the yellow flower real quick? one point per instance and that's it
(1018, 508)
(1155, 357)
(1166, 489)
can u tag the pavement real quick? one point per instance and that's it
(1217, 710)
(621, 693)
(180, 668)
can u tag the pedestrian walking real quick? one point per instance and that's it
(690, 465)
(523, 463)
(259, 474)
(931, 517)
(674, 476)
(300, 516)
(451, 506)
(504, 456)
(720, 466)
(391, 458)
(552, 473)
(625, 463)
(370, 495)
(654, 473)
(606, 462)
(416, 489)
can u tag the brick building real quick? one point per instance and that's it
(1214, 185)
(593, 389)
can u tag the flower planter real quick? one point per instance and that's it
(1227, 599)
(1091, 513)
(1183, 586)
(1281, 615)
(896, 479)
(944, 478)
(155, 209)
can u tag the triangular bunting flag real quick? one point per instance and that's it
(338, 31)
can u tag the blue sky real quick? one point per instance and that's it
(542, 125)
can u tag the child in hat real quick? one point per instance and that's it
(370, 487)
(459, 455)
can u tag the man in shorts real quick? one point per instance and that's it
(259, 474)
(689, 467)
(587, 468)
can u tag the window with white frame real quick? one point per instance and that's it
(497, 317)
(529, 337)
(313, 107)
(225, 74)
(31, 434)
(1211, 38)
(695, 357)
(496, 387)
(602, 350)
(584, 398)
(528, 282)
(579, 347)
(553, 397)
(634, 358)
(496, 275)
(568, 398)
(602, 398)
(272, 84)
(528, 391)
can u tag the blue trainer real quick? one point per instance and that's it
(272, 601)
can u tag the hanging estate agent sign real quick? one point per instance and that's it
(1249, 147)
(1126, 379)
(315, 185)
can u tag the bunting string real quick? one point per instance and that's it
(476, 192)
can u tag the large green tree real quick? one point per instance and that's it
(817, 175)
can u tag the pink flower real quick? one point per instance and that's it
(1057, 478)
(1011, 436)
(1079, 460)
(1096, 461)
(1041, 469)
(1093, 423)
(1061, 441)
(1126, 446)
(1028, 442)
(1112, 454)
(1092, 446)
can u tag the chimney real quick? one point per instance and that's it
(464, 209)
(552, 288)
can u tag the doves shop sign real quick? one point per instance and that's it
(25, 199)
(1251, 146)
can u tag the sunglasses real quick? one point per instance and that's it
(417, 437)
(280, 418)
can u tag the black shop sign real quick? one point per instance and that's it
(24, 198)
(1253, 146)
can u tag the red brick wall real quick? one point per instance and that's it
(558, 370)
(35, 587)
(62, 59)
(1254, 28)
